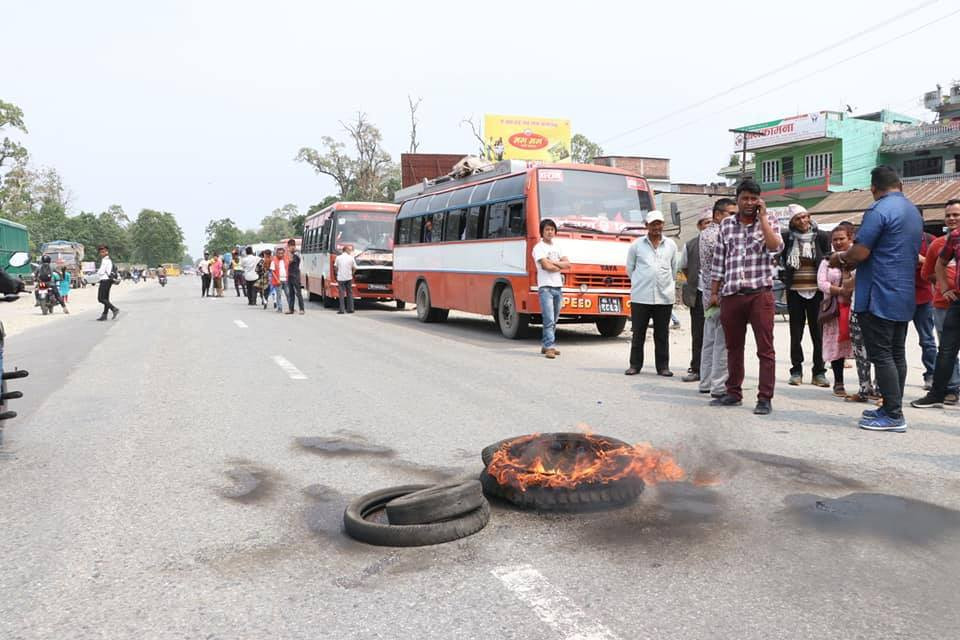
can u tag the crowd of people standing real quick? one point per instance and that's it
(854, 290)
(267, 278)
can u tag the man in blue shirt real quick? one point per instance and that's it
(885, 257)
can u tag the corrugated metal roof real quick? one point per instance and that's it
(930, 196)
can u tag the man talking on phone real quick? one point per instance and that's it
(743, 271)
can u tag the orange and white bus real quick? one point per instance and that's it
(466, 244)
(368, 226)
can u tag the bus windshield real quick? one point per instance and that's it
(593, 201)
(365, 230)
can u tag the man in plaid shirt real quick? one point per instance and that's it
(950, 339)
(742, 273)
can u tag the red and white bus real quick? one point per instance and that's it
(466, 244)
(369, 227)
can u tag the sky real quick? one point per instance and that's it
(199, 107)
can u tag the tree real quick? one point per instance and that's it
(222, 235)
(360, 177)
(275, 228)
(583, 150)
(249, 236)
(475, 130)
(156, 238)
(414, 143)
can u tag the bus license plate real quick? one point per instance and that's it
(377, 287)
(610, 305)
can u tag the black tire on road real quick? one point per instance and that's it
(325, 300)
(407, 535)
(611, 327)
(439, 502)
(513, 324)
(426, 312)
(621, 493)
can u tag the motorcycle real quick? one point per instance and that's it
(11, 290)
(44, 297)
(162, 280)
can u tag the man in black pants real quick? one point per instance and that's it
(204, 269)
(105, 273)
(692, 297)
(293, 275)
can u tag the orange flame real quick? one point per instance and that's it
(602, 462)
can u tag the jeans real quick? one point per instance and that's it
(279, 291)
(251, 291)
(736, 312)
(939, 316)
(640, 316)
(804, 312)
(924, 324)
(204, 284)
(713, 357)
(885, 341)
(345, 293)
(696, 330)
(864, 375)
(103, 296)
(551, 301)
(947, 356)
(293, 291)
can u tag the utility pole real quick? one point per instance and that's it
(743, 160)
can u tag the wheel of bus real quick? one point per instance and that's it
(327, 301)
(513, 324)
(611, 327)
(426, 313)
(311, 296)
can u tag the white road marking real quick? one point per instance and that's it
(240, 323)
(550, 604)
(292, 371)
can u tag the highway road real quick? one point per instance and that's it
(160, 483)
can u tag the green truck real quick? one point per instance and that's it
(13, 238)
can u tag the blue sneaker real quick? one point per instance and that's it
(884, 423)
(873, 413)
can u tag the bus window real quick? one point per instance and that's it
(516, 219)
(496, 220)
(422, 205)
(438, 226)
(511, 187)
(480, 194)
(474, 226)
(325, 235)
(460, 198)
(439, 202)
(403, 236)
(416, 225)
(453, 227)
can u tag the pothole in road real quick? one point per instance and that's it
(880, 515)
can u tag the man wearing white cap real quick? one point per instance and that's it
(692, 295)
(652, 263)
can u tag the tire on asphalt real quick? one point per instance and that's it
(437, 503)
(407, 535)
(621, 493)
(512, 323)
(611, 327)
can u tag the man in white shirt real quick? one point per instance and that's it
(105, 273)
(345, 265)
(550, 264)
(204, 269)
(652, 264)
(249, 265)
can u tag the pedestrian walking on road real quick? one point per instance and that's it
(550, 268)
(923, 321)
(279, 278)
(950, 342)
(248, 264)
(804, 248)
(293, 276)
(64, 285)
(951, 219)
(236, 270)
(837, 287)
(107, 273)
(204, 269)
(713, 356)
(265, 286)
(345, 265)
(742, 272)
(692, 296)
(216, 272)
(652, 264)
(885, 256)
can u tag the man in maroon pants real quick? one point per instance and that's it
(743, 270)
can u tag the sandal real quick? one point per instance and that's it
(856, 397)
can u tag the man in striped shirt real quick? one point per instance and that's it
(742, 274)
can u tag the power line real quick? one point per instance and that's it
(801, 78)
(767, 74)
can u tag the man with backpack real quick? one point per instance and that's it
(108, 276)
(45, 275)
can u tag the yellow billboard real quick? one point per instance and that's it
(526, 138)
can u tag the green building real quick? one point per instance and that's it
(805, 158)
(925, 152)
(13, 238)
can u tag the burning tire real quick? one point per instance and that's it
(436, 503)
(572, 471)
(407, 535)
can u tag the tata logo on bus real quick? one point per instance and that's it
(528, 141)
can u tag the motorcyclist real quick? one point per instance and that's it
(45, 275)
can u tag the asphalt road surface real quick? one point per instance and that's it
(160, 484)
